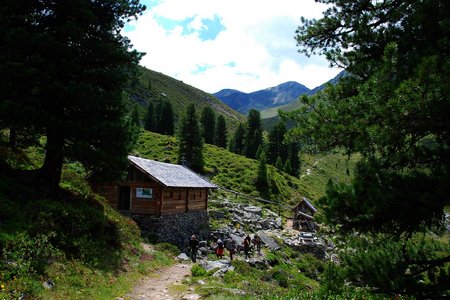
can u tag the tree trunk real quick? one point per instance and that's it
(12, 138)
(50, 171)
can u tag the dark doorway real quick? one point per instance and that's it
(124, 198)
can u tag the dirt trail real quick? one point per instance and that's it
(156, 286)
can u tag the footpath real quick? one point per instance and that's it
(161, 285)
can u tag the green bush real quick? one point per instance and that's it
(168, 248)
(198, 271)
(27, 255)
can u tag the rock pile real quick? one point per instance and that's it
(240, 214)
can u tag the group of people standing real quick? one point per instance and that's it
(229, 244)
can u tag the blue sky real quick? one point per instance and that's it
(245, 45)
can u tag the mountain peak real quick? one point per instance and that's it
(269, 97)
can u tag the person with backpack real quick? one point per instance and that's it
(231, 247)
(246, 244)
(219, 248)
(193, 247)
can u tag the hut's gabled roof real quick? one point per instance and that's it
(307, 204)
(170, 175)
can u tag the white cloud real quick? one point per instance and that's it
(258, 40)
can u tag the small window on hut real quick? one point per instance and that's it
(146, 193)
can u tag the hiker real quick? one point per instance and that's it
(219, 249)
(246, 244)
(231, 247)
(193, 247)
(257, 243)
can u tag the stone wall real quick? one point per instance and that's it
(175, 229)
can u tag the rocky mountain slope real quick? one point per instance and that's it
(270, 97)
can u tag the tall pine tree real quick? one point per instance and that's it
(208, 123)
(220, 135)
(64, 66)
(253, 134)
(277, 148)
(237, 141)
(190, 141)
(150, 118)
(166, 118)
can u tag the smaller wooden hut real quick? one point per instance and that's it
(304, 216)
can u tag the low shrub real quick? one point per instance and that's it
(198, 271)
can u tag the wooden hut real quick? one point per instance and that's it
(304, 216)
(156, 189)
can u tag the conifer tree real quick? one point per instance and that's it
(166, 119)
(190, 140)
(150, 118)
(220, 138)
(253, 135)
(279, 164)
(64, 66)
(392, 109)
(287, 166)
(293, 150)
(158, 112)
(135, 119)
(208, 123)
(276, 147)
(238, 139)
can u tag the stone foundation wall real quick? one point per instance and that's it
(176, 229)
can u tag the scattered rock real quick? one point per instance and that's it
(269, 242)
(48, 284)
(191, 297)
(216, 264)
(183, 257)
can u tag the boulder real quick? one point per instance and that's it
(183, 257)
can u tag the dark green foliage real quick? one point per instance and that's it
(63, 68)
(253, 133)
(293, 150)
(208, 123)
(279, 164)
(190, 141)
(220, 135)
(276, 147)
(385, 201)
(397, 267)
(166, 120)
(393, 109)
(135, 118)
(150, 118)
(237, 141)
(287, 166)
(160, 118)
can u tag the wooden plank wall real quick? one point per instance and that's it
(174, 200)
(197, 199)
(110, 192)
(144, 205)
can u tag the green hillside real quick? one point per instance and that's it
(273, 111)
(153, 85)
(238, 173)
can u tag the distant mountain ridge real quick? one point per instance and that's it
(281, 94)
(259, 100)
